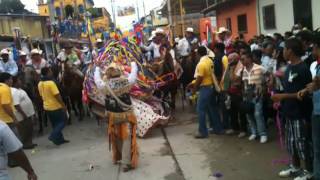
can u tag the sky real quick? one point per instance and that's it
(123, 22)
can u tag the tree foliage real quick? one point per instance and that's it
(12, 6)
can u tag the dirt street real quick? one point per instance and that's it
(170, 153)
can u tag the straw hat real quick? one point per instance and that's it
(22, 53)
(35, 51)
(222, 30)
(159, 31)
(190, 29)
(4, 51)
(85, 49)
(99, 40)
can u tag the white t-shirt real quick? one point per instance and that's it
(39, 66)
(8, 143)
(183, 47)
(20, 97)
(155, 48)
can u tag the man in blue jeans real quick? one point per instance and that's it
(253, 77)
(207, 96)
(53, 105)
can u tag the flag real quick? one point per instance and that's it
(90, 29)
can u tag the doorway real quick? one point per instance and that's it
(302, 11)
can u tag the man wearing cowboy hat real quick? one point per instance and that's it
(68, 54)
(154, 46)
(97, 49)
(224, 36)
(86, 57)
(6, 64)
(36, 61)
(185, 45)
(23, 59)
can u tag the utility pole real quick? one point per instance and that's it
(207, 3)
(144, 8)
(113, 14)
(170, 18)
(138, 13)
(182, 17)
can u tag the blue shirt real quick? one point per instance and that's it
(10, 67)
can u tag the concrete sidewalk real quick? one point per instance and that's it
(234, 158)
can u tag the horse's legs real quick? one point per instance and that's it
(74, 102)
(173, 94)
(80, 108)
(67, 102)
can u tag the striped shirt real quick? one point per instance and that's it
(254, 76)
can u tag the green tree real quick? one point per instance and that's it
(12, 6)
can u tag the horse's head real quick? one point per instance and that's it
(30, 77)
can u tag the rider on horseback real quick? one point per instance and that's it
(154, 46)
(37, 62)
(187, 44)
(68, 55)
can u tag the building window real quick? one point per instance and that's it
(228, 24)
(269, 17)
(81, 9)
(242, 23)
(58, 11)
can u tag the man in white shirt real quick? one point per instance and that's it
(37, 61)
(7, 64)
(11, 146)
(186, 44)
(154, 46)
(24, 113)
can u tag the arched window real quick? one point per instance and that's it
(81, 9)
(69, 11)
(58, 11)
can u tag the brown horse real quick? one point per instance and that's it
(72, 85)
(188, 64)
(30, 80)
(162, 67)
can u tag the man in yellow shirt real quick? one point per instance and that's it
(7, 108)
(53, 105)
(6, 101)
(206, 100)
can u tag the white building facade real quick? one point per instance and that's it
(280, 15)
